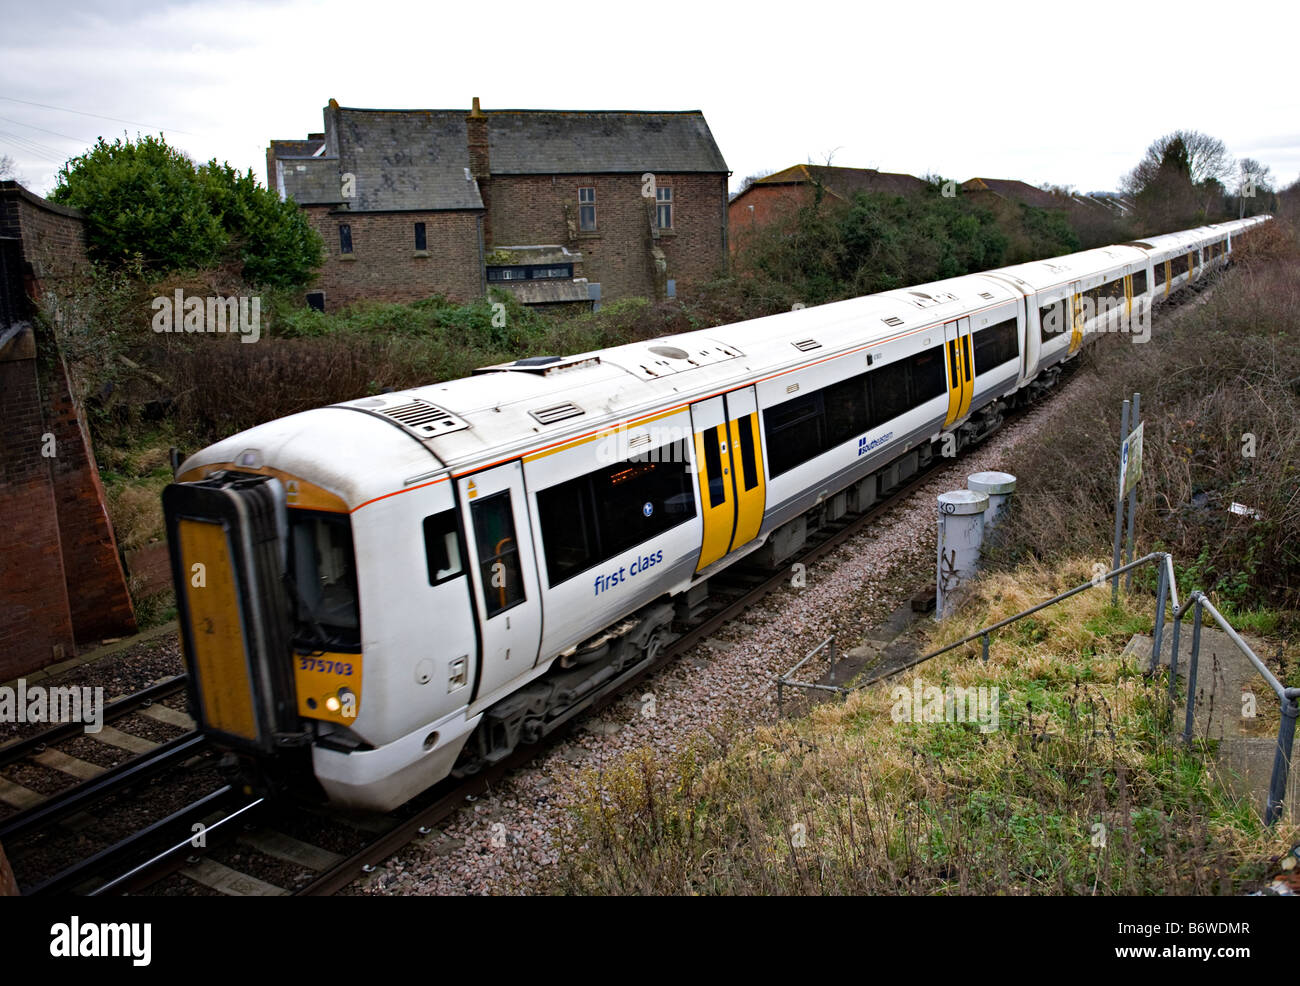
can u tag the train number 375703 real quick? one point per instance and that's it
(329, 667)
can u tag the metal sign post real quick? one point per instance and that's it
(1130, 471)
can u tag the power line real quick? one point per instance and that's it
(52, 133)
(18, 143)
(33, 145)
(97, 116)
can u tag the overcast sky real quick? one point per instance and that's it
(961, 90)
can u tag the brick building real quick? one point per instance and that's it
(557, 207)
(788, 190)
(61, 578)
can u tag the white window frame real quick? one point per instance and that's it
(587, 203)
(664, 200)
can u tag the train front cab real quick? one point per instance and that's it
(228, 534)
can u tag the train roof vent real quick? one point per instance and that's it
(556, 412)
(892, 320)
(543, 365)
(987, 295)
(803, 345)
(423, 418)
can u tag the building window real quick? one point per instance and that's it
(665, 207)
(421, 240)
(587, 209)
(345, 238)
(530, 272)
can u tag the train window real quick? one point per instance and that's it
(996, 345)
(1161, 272)
(1115, 292)
(589, 519)
(567, 518)
(926, 370)
(1139, 282)
(442, 547)
(888, 393)
(498, 552)
(323, 580)
(846, 409)
(796, 432)
(1052, 320)
(713, 466)
(748, 452)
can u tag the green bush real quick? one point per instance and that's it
(146, 202)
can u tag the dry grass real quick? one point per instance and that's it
(849, 800)
(1220, 386)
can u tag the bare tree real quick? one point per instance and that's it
(756, 176)
(1253, 175)
(8, 170)
(1207, 160)
(1180, 179)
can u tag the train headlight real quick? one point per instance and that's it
(344, 701)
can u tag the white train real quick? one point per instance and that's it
(408, 585)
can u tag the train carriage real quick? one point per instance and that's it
(385, 591)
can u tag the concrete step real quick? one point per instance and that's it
(1234, 706)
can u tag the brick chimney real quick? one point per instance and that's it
(480, 165)
(476, 125)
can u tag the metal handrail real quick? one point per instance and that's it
(1092, 583)
(1166, 591)
(1289, 698)
(784, 681)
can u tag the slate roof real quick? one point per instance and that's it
(416, 160)
(546, 142)
(404, 159)
(311, 180)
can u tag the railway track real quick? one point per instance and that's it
(85, 793)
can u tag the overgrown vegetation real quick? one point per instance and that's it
(828, 251)
(1080, 788)
(1220, 386)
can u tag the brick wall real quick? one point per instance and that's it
(61, 579)
(35, 619)
(531, 209)
(96, 582)
(384, 264)
(761, 204)
(53, 237)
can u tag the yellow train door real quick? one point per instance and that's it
(1076, 317)
(729, 467)
(961, 369)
